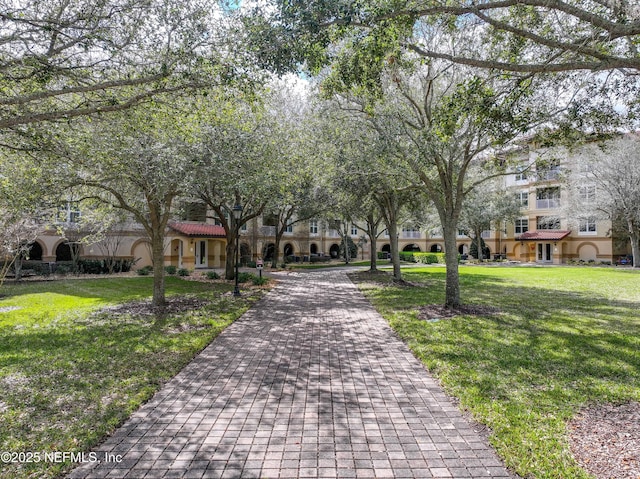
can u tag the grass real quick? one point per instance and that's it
(565, 338)
(71, 373)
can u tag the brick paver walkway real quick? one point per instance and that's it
(311, 382)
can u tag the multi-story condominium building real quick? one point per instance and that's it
(555, 191)
(549, 184)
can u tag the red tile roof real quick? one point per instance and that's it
(544, 235)
(199, 229)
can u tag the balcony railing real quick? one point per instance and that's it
(547, 203)
(548, 175)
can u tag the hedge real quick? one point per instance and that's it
(425, 258)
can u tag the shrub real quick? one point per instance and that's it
(212, 275)
(184, 272)
(429, 258)
(245, 277)
(91, 266)
(170, 269)
(407, 256)
(145, 270)
(63, 267)
(260, 280)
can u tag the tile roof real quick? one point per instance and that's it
(544, 235)
(199, 229)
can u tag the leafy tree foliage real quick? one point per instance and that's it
(484, 207)
(139, 161)
(524, 36)
(238, 165)
(61, 59)
(613, 169)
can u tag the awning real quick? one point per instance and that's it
(201, 230)
(544, 235)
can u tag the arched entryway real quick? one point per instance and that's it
(436, 248)
(267, 251)
(313, 249)
(63, 252)
(411, 248)
(35, 252)
(288, 250)
(334, 251)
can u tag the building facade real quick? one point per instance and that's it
(550, 184)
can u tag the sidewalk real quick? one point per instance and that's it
(311, 382)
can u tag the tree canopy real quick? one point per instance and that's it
(524, 36)
(66, 59)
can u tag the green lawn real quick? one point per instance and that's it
(70, 374)
(564, 338)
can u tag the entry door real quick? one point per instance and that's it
(201, 254)
(545, 254)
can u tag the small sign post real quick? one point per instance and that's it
(259, 265)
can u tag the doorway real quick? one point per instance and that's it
(201, 254)
(545, 252)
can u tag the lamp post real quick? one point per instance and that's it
(237, 213)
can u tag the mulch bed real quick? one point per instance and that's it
(177, 304)
(436, 312)
(605, 440)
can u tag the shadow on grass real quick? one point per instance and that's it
(527, 370)
(65, 384)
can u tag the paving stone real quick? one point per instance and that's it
(311, 382)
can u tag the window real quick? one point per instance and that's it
(547, 198)
(521, 173)
(588, 226)
(587, 193)
(354, 230)
(69, 213)
(313, 227)
(522, 197)
(548, 170)
(410, 232)
(547, 223)
(289, 228)
(522, 225)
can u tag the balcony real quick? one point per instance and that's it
(548, 175)
(411, 234)
(547, 203)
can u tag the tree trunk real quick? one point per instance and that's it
(230, 262)
(157, 258)
(276, 251)
(634, 237)
(478, 233)
(17, 267)
(392, 227)
(347, 247)
(452, 289)
(374, 253)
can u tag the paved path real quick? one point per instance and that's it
(311, 382)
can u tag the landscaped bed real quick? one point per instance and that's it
(541, 356)
(77, 356)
